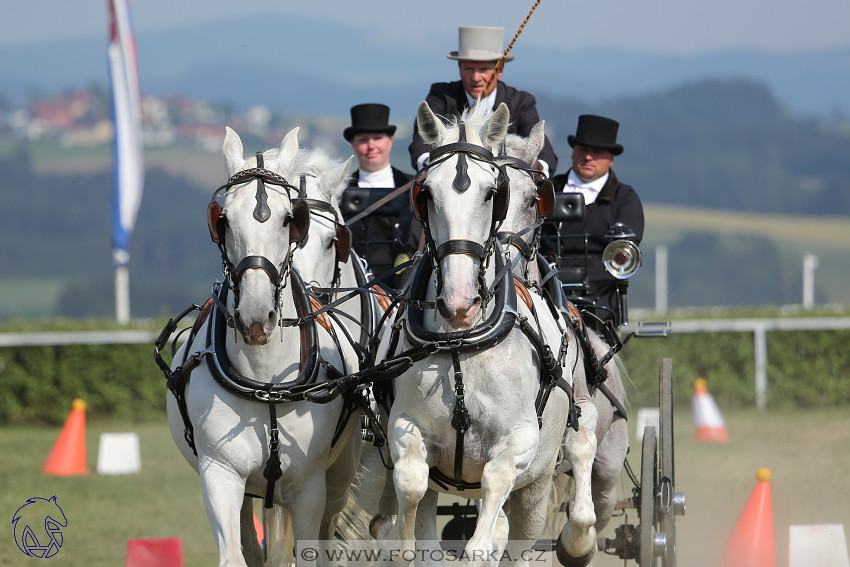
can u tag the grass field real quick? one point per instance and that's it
(808, 454)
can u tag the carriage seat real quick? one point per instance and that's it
(357, 199)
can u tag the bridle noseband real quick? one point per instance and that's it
(298, 222)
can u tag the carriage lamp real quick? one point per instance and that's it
(621, 256)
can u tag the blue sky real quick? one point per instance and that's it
(655, 26)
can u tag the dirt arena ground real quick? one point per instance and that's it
(808, 454)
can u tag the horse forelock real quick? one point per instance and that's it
(318, 163)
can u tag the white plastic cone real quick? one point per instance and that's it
(708, 422)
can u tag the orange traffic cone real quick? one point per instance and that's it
(751, 543)
(68, 456)
(707, 419)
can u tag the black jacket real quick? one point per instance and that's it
(616, 202)
(449, 99)
(388, 231)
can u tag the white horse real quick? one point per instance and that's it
(256, 404)
(470, 417)
(595, 454)
(334, 272)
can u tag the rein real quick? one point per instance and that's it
(502, 320)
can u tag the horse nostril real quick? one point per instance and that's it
(442, 308)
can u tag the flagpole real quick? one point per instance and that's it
(122, 294)
(127, 146)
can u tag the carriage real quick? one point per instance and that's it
(349, 375)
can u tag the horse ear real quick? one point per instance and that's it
(430, 127)
(288, 150)
(497, 126)
(336, 178)
(233, 152)
(534, 143)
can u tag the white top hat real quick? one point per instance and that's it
(476, 43)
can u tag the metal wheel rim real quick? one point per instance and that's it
(668, 516)
(649, 450)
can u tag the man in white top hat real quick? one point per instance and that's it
(479, 51)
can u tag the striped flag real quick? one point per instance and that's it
(129, 168)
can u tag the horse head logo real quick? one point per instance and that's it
(38, 527)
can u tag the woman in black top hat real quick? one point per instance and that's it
(389, 235)
(607, 201)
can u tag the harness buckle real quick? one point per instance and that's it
(448, 346)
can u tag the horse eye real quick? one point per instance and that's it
(331, 243)
(286, 220)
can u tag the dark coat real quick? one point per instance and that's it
(449, 99)
(388, 231)
(617, 202)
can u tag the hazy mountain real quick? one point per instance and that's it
(305, 65)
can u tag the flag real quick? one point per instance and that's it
(129, 168)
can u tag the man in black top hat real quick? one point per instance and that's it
(479, 51)
(607, 201)
(389, 235)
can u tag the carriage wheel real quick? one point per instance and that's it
(646, 510)
(667, 506)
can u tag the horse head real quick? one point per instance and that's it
(256, 226)
(532, 197)
(460, 197)
(329, 245)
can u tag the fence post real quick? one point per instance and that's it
(661, 279)
(760, 337)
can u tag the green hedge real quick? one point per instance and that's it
(39, 383)
(806, 369)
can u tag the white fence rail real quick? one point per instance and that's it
(759, 328)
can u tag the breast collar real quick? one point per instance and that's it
(490, 332)
(238, 384)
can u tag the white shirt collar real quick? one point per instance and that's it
(488, 101)
(589, 190)
(383, 178)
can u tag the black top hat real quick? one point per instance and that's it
(369, 117)
(596, 132)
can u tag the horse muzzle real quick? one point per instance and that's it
(255, 331)
(459, 312)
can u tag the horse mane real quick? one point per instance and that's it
(316, 162)
(475, 117)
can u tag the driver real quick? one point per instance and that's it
(607, 201)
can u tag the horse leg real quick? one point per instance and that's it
(610, 456)
(306, 502)
(279, 539)
(577, 540)
(528, 508)
(338, 479)
(497, 480)
(410, 477)
(428, 550)
(224, 492)
(251, 550)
